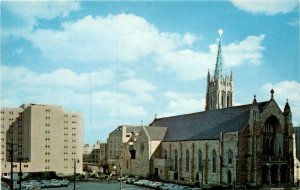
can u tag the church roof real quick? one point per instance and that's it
(156, 133)
(206, 125)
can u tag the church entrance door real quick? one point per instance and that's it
(229, 177)
(265, 174)
(274, 172)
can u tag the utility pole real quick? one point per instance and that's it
(11, 151)
(20, 172)
(74, 173)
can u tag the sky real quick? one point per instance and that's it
(127, 62)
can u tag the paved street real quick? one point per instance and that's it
(97, 186)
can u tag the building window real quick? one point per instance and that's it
(199, 160)
(165, 154)
(187, 160)
(214, 161)
(230, 156)
(175, 160)
(142, 147)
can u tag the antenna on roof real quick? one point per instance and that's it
(90, 97)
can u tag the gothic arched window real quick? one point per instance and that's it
(142, 147)
(175, 160)
(223, 98)
(165, 154)
(230, 156)
(228, 99)
(187, 160)
(272, 137)
(214, 161)
(199, 160)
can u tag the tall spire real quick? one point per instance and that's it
(219, 62)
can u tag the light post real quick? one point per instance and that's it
(75, 173)
(115, 168)
(20, 172)
(11, 151)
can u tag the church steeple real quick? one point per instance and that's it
(220, 86)
(219, 61)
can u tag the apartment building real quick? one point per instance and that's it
(46, 136)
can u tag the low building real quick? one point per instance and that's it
(94, 159)
(140, 151)
(116, 141)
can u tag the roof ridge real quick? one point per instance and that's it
(233, 107)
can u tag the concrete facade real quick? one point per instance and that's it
(50, 139)
(141, 150)
(95, 157)
(116, 143)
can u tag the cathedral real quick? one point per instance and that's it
(247, 145)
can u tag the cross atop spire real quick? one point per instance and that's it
(219, 62)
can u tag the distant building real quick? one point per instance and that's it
(297, 155)
(140, 150)
(45, 136)
(297, 141)
(87, 150)
(95, 157)
(116, 141)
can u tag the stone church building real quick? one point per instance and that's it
(245, 145)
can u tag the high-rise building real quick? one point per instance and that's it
(46, 137)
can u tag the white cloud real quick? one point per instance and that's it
(59, 78)
(286, 90)
(141, 88)
(183, 103)
(268, 7)
(67, 88)
(28, 13)
(128, 38)
(118, 103)
(295, 22)
(191, 65)
(247, 50)
(123, 37)
(137, 85)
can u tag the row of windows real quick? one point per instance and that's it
(73, 153)
(200, 160)
(47, 110)
(47, 117)
(10, 112)
(47, 160)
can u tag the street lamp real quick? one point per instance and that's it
(115, 168)
(75, 172)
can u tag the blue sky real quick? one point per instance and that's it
(147, 58)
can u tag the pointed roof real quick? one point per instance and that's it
(287, 107)
(156, 133)
(219, 62)
(207, 124)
